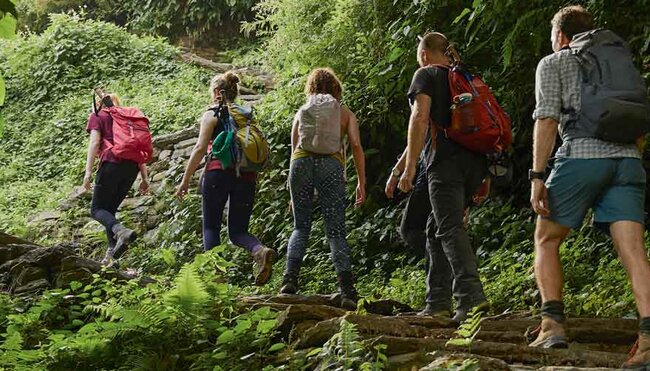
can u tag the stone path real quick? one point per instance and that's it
(417, 343)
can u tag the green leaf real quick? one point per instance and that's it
(459, 342)
(74, 285)
(225, 337)
(462, 15)
(266, 326)
(3, 91)
(7, 26)
(277, 346)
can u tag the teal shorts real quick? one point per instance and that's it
(613, 187)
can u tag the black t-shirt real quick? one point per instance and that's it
(434, 82)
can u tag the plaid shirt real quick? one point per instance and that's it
(557, 90)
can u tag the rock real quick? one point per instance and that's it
(74, 197)
(167, 141)
(73, 262)
(299, 313)
(206, 63)
(446, 361)
(7, 239)
(555, 368)
(32, 287)
(164, 154)
(182, 153)
(27, 274)
(246, 91)
(135, 202)
(44, 216)
(10, 252)
(409, 361)
(186, 143)
(158, 177)
(247, 98)
(40, 257)
(64, 279)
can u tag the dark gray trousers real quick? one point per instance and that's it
(453, 179)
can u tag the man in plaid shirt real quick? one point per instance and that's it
(588, 173)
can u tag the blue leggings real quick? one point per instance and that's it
(220, 186)
(325, 174)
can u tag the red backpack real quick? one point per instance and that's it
(478, 123)
(131, 135)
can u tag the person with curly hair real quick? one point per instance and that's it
(318, 163)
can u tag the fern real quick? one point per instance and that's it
(468, 330)
(189, 293)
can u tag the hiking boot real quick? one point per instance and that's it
(640, 355)
(264, 259)
(123, 237)
(551, 335)
(349, 296)
(429, 311)
(289, 283)
(461, 314)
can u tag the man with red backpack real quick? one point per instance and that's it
(120, 137)
(454, 145)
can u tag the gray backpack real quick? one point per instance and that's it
(319, 125)
(614, 101)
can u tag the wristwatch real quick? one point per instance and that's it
(535, 175)
(395, 172)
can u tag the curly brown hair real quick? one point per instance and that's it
(572, 20)
(228, 83)
(324, 81)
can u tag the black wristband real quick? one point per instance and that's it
(535, 175)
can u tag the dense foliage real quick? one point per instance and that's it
(371, 44)
(203, 21)
(49, 82)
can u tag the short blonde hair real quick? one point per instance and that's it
(324, 81)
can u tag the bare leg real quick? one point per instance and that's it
(548, 269)
(628, 241)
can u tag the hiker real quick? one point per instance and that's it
(318, 163)
(418, 207)
(115, 177)
(598, 165)
(453, 174)
(223, 181)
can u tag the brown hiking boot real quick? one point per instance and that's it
(640, 354)
(264, 259)
(551, 335)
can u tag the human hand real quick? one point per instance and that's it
(88, 180)
(406, 181)
(360, 195)
(144, 187)
(182, 190)
(391, 185)
(539, 197)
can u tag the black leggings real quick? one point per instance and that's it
(112, 183)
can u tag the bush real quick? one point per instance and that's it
(49, 85)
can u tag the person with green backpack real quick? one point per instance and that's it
(317, 164)
(235, 150)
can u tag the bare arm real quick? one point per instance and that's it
(544, 136)
(93, 151)
(294, 134)
(417, 130)
(401, 162)
(357, 149)
(208, 123)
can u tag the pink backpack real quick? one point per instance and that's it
(131, 135)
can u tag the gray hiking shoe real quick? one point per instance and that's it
(124, 237)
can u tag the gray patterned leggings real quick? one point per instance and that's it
(325, 174)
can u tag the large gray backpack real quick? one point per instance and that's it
(614, 101)
(319, 125)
